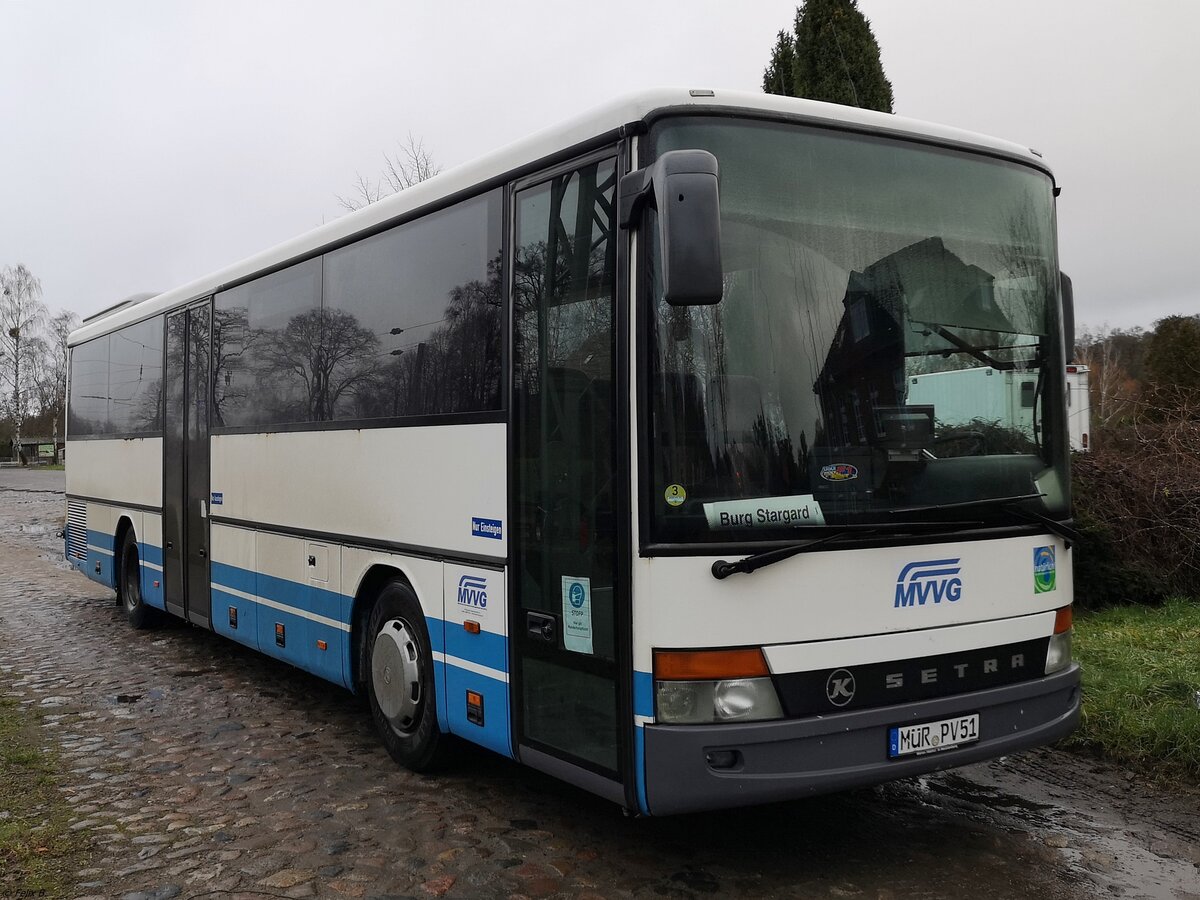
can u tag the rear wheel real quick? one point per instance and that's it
(399, 679)
(129, 591)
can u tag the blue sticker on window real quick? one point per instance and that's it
(218, 498)
(487, 528)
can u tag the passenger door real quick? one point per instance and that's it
(564, 524)
(185, 464)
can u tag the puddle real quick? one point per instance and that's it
(1074, 816)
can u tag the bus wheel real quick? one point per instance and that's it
(400, 679)
(130, 585)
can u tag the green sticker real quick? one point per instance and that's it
(1044, 574)
(675, 495)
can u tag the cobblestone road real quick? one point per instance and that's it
(203, 769)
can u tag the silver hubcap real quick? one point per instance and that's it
(396, 674)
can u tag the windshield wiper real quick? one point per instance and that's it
(1064, 531)
(723, 568)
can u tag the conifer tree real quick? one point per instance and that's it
(831, 55)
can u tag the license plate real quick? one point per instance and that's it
(930, 737)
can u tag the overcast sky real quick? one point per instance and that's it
(143, 144)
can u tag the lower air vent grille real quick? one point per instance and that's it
(77, 529)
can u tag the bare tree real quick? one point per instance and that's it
(1111, 356)
(22, 318)
(50, 379)
(410, 164)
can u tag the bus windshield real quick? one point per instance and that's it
(887, 345)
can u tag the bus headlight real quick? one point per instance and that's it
(746, 698)
(1058, 654)
(731, 700)
(706, 686)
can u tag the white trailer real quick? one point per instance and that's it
(1079, 408)
(1008, 398)
(961, 396)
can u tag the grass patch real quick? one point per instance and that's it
(1141, 672)
(39, 854)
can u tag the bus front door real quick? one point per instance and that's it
(563, 536)
(185, 465)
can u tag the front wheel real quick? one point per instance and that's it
(399, 679)
(129, 591)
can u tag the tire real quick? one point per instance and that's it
(129, 586)
(398, 677)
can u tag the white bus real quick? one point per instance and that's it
(595, 453)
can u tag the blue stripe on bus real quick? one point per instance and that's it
(107, 573)
(643, 694)
(643, 705)
(486, 648)
(258, 622)
(233, 577)
(153, 593)
(494, 733)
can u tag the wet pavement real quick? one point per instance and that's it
(203, 769)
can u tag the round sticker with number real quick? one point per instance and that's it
(675, 495)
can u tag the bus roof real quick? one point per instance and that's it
(576, 131)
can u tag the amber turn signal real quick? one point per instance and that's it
(709, 665)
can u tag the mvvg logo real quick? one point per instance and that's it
(472, 591)
(930, 580)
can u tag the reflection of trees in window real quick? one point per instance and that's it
(456, 369)
(566, 273)
(326, 352)
(116, 382)
(232, 339)
(302, 349)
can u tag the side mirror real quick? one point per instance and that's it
(1068, 315)
(682, 187)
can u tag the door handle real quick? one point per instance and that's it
(170, 545)
(541, 627)
(203, 553)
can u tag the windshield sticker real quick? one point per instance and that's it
(768, 512)
(675, 494)
(839, 472)
(1044, 576)
(577, 614)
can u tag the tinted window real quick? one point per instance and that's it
(407, 322)
(135, 378)
(116, 382)
(412, 317)
(269, 338)
(89, 388)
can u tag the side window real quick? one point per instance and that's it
(116, 382)
(403, 323)
(135, 378)
(414, 316)
(89, 388)
(269, 350)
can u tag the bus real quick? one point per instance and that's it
(600, 453)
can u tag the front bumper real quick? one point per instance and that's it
(782, 760)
